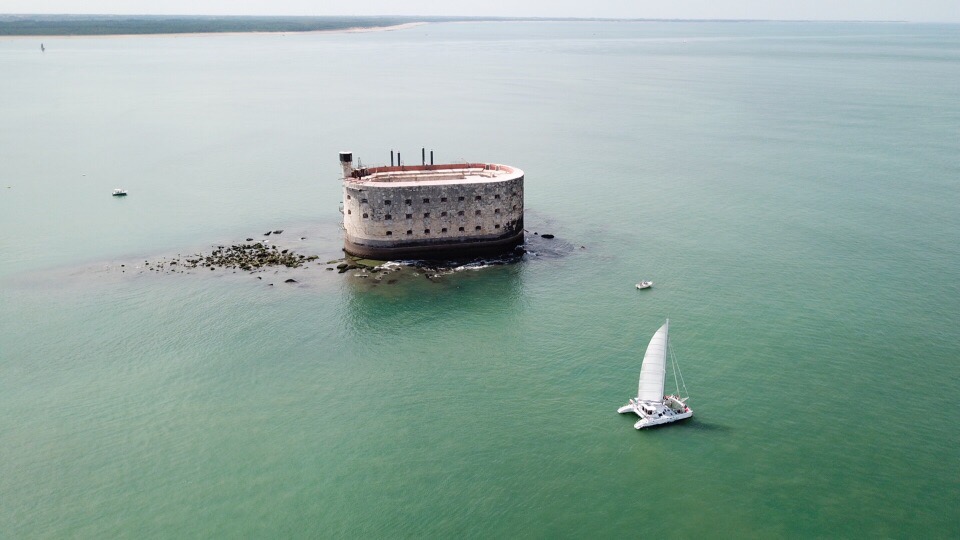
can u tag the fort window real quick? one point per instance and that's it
(477, 198)
(496, 210)
(443, 199)
(409, 216)
(514, 207)
(409, 201)
(459, 198)
(389, 233)
(426, 231)
(496, 226)
(460, 229)
(409, 233)
(426, 200)
(387, 202)
(387, 216)
(443, 229)
(426, 214)
(460, 213)
(349, 212)
(477, 213)
(497, 196)
(363, 200)
(348, 197)
(443, 214)
(365, 215)
(477, 228)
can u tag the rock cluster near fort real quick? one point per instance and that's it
(259, 256)
(246, 257)
(250, 257)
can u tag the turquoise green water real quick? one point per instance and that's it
(792, 189)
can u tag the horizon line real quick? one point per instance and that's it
(474, 17)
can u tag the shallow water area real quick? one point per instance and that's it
(791, 189)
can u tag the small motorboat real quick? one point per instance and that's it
(644, 284)
(119, 192)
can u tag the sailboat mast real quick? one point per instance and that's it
(678, 376)
(673, 362)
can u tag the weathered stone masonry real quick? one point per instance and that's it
(431, 211)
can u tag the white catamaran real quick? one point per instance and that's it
(651, 405)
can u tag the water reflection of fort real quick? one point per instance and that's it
(408, 298)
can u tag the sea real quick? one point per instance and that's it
(791, 188)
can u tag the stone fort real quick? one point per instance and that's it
(443, 211)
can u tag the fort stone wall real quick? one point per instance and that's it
(434, 219)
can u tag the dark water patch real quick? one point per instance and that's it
(280, 260)
(548, 247)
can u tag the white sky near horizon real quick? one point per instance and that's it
(899, 10)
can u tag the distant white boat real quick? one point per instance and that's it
(644, 284)
(119, 192)
(651, 405)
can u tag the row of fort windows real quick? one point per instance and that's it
(426, 200)
(427, 214)
(443, 230)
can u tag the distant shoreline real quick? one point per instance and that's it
(51, 26)
(351, 30)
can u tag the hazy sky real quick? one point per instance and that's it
(911, 10)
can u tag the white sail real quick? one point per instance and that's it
(653, 370)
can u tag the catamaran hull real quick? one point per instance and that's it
(646, 420)
(653, 422)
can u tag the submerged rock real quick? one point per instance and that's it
(246, 257)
